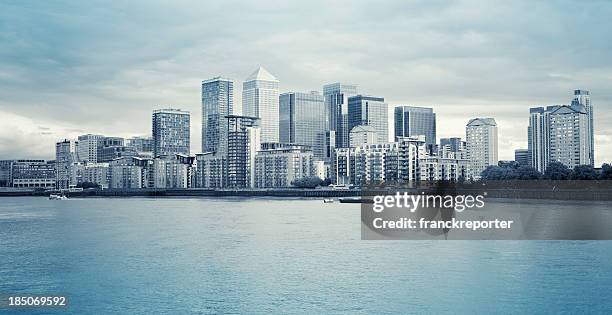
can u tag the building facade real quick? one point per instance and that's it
(217, 102)
(369, 111)
(279, 167)
(32, 174)
(521, 156)
(361, 135)
(481, 141)
(260, 99)
(559, 133)
(244, 140)
(142, 145)
(383, 162)
(88, 148)
(336, 102)
(97, 173)
(171, 132)
(303, 120)
(415, 121)
(66, 160)
(583, 97)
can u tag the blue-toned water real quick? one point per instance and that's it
(145, 256)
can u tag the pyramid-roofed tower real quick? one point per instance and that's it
(261, 74)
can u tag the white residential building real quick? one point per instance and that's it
(481, 141)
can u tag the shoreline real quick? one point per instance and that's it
(546, 193)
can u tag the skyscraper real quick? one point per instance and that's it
(260, 99)
(336, 100)
(415, 121)
(481, 140)
(583, 97)
(217, 102)
(303, 121)
(369, 111)
(558, 133)
(171, 129)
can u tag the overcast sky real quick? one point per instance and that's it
(74, 67)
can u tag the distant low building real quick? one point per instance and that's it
(32, 174)
(97, 173)
(521, 156)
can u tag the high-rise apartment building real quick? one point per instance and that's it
(244, 140)
(260, 99)
(171, 129)
(336, 101)
(558, 133)
(369, 111)
(481, 140)
(583, 97)
(415, 121)
(88, 148)
(217, 102)
(303, 121)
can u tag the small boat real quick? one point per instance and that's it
(328, 200)
(57, 197)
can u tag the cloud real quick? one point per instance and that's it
(102, 67)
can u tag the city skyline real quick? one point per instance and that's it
(469, 71)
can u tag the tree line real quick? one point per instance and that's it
(554, 171)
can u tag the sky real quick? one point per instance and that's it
(74, 67)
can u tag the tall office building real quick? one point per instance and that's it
(260, 99)
(521, 156)
(171, 129)
(66, 156)
(217, 102)
(558, 133)
(583, 97)
(303, 121)
(244, 140)
(336, 101)
(415, 121)
(481, 140)
(88, 147)
(369, 111)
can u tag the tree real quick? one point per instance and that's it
(307, 182)
(494, 172)
(583, 172)
(557, 171)
(527, 173)
(606, 171)
(326, 182)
